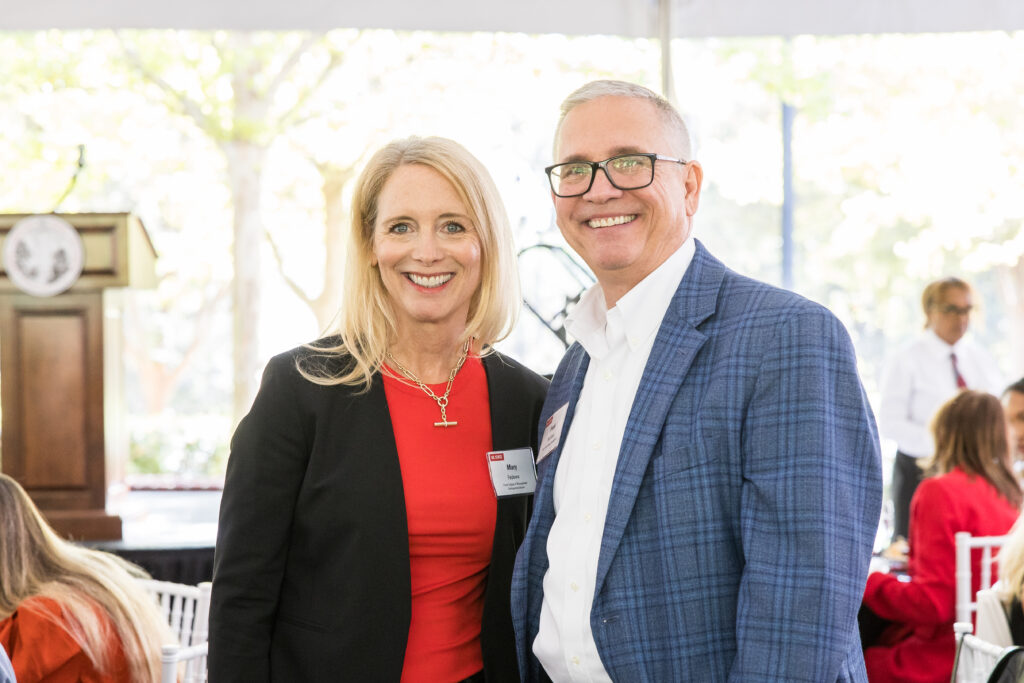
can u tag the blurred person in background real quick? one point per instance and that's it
(1013, 402)
(360, 536)
(70, 614)
(971, 487)
(922, 375)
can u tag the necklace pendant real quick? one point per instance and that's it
(446, 423)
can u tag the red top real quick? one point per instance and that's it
(41, 650)
(451, 510)
(922, 647)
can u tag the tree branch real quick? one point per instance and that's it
(288, 119)
(188, 107)
(202, 328)
(289, 64)
(279, 260)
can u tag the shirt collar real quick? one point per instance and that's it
(637, 314)
(940, 346)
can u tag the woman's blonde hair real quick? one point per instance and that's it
(970, 433)
(1011, 563)
(366, 322)
(86, 583)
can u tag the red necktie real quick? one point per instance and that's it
(960, 383)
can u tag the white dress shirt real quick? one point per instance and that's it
(619, 342)
(919, 378)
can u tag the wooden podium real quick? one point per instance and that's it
(54, 382)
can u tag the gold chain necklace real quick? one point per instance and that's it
(442, 401)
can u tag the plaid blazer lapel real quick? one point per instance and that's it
(565, 388)
(532, 561)
(675, 347)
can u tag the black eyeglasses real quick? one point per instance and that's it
(951, 309)
(625, 172)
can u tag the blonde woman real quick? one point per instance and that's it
(1011, 581)
(70, 614)
(360, 537)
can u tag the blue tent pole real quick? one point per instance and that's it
(788, 197)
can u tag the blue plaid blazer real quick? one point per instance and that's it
(745, 500)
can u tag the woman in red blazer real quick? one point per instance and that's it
(973, 489)
(360, 537)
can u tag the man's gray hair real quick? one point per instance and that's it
(607, 88)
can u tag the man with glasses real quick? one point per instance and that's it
(921, 376)
(709, 474)
(1013, 403)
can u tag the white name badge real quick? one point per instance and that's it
(512, 472)
(552, 432)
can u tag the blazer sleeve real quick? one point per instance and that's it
(269, 452)
(810, 503)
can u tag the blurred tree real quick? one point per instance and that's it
(242, 90)
(905, 167)
(906, 160)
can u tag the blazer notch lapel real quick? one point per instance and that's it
(696, 299)
(675, 347)
(565, 389)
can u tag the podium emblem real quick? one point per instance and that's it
(43, 255)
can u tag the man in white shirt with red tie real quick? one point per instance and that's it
(921, 376)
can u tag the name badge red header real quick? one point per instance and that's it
(496, 456)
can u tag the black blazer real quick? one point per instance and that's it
(311, 573)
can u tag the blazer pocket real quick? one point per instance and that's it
(683, 458)
(304, 624)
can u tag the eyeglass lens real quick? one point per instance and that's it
(950, 309)
(628, 172)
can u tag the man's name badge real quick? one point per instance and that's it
(552, 432)
(512, 472)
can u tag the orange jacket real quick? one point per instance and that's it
(41, 649)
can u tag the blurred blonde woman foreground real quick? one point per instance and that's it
(1011, 583)
(70, 614)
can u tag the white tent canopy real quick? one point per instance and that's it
(638, 18)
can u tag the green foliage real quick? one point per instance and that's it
(179, 445)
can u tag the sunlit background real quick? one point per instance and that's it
(906, 165)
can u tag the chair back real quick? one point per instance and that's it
(187, 611)
(976, 659)
(992, 622)
(966, 604)
(185, 608)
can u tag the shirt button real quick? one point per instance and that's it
(597, 445)
(608, 375)
(576, 661)
(575, 586)
(587, 517)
